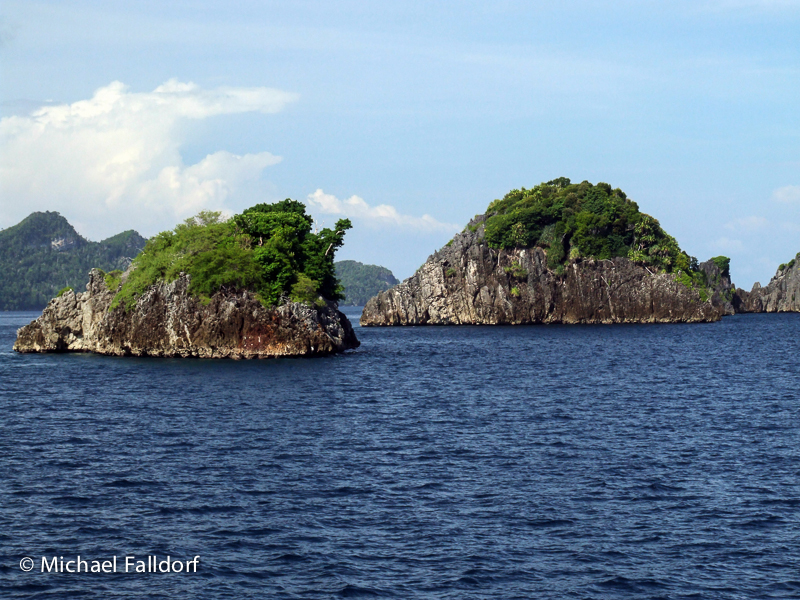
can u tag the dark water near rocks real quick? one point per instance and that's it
(474, 462)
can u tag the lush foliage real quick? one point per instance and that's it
(361, 282)
(723, 264)
(269, 249)
(44, 254)
(584, 220)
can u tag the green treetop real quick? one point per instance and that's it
(269, 249)
(583, 220)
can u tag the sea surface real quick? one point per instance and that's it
(641, 461)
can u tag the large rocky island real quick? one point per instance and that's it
(261, 285)
(559, 253)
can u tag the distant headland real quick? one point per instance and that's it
(361, 282)
(43, 254)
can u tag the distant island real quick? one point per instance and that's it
(559, 253)
(44, 254)
(361, 282)
(781, 294)
(260, 284)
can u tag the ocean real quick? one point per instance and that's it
(625, 461)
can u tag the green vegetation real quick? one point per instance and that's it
(268, 249)
(361, 282)
(43, 254)
(63, 291)
(571, 221)
(113, 279)
(515, 291)
(790, 264)
(516, 271)
(723, 264)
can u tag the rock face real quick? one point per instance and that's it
(782, 294)
(466, 282)
(723, 291)
(168, 321)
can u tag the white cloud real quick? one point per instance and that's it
(355, 207)
(787, 194)
(751, 223)
(113, 161)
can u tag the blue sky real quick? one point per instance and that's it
(409, 117)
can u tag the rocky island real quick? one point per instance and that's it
(782, 294)
(559, 253)
(258, 285)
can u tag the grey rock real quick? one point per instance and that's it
(723, 291)
(168, 321)
(466, 282)
(781, 294)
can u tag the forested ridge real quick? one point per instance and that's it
(361, 282)
(43, 254)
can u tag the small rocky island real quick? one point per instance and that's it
(559, 253)
(256, 286)
(782, 294)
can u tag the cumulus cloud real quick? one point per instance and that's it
(113, 161)
(787, 194)
(356, 208)
(751, 223)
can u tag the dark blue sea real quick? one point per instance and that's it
(647, 461)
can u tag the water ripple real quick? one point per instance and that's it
(453, 463)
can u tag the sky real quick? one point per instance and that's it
(406, 117)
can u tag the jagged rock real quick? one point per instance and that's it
(782, 294)
(466, 282)
(168, 321)
(719, 282)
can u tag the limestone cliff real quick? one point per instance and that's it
(168, 321)
(782, 294)
(467, 282)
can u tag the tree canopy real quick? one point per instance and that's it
(583, 220)
(269, 249)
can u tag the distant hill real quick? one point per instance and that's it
(361, 282)
(43, 254)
